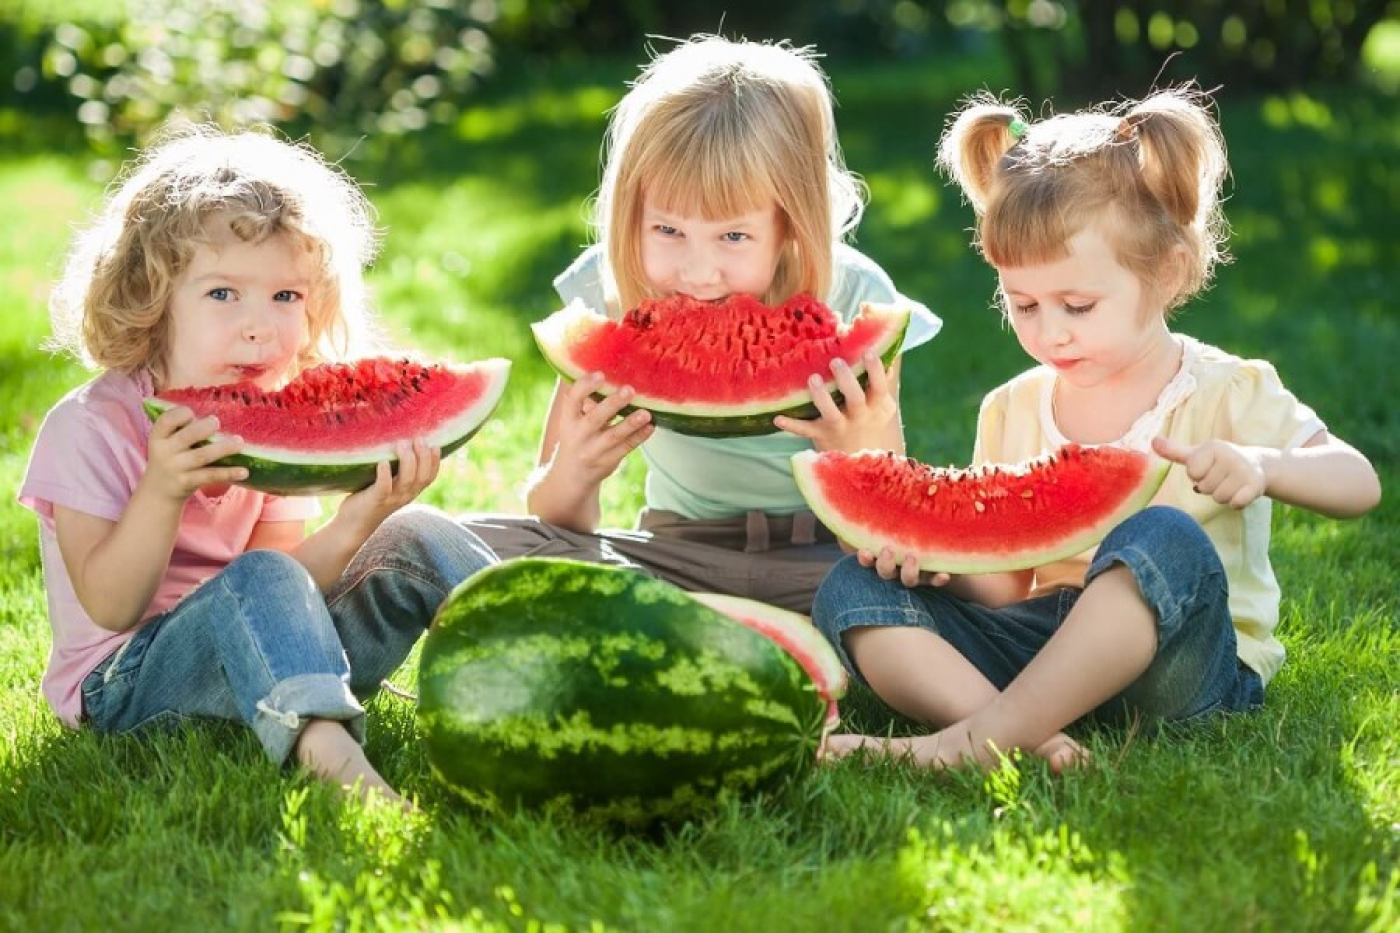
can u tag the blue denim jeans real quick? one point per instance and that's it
(260, 643)
(1194, 671)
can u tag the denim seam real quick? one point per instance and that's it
(238, 601)
(907, 616)
(116, 660)
(392, 566)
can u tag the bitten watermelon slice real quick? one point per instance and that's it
(718, 369)
(328, 429)
(609, 694)
(990, 518)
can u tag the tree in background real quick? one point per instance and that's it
(392, 67)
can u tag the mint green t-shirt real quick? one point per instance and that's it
(701, 477)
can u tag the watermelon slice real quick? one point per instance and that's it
(796, 635)
(328, 429)
(718, 369)
(614, 696)
(990, 518)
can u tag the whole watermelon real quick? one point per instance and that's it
(548, 683)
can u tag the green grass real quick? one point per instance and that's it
(1284, 820)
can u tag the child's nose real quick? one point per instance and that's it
(1054, 329)
(257, 324)
(698, 269)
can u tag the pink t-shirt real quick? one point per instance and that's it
(89, 456)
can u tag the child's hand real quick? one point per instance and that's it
(868, 418)
(592, 443)
(177, 466)
(391, 491)
(1230, 474)
(907, 572)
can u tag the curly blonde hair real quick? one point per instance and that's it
(719, 128)
(109, 308)
(1152, 169)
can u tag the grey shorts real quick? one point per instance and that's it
(779, 559)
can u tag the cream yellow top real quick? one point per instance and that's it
(1213, 396)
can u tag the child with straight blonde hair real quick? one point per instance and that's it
(173, 592)
(1099, 224)
(722, 176)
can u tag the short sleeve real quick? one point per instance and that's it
(585, 280)
(289, 508)
(85, 458)
(1260, 411)
(991, 428)
(859, 279)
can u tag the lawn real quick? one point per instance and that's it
(1288, 819)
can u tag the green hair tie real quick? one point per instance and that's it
(1017, 127)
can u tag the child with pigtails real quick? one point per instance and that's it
(1100, 225)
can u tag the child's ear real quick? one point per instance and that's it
(1173, 274)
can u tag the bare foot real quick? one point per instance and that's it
(951, 748)
(1063, 753)
(840, 745)
(329, 751)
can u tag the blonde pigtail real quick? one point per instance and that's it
(1183, 164)
(974, 144)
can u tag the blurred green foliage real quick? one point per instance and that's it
(342, 70)
(357, 66)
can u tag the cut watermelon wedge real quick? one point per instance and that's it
(992, 518)
(329, 428)
(720, 369)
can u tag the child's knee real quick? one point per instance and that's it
(430, 538)
(846, 584)
(1164, 531)
(268, 573)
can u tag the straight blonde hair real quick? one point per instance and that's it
(719, 128)
(109, 309)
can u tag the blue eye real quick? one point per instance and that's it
(287, 296)
(221, 294)
(666, 230)
(735, 236)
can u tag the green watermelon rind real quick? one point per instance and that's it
(959, 561)
(717, 420)
(795, 633)
(286, 472)
(658, 706)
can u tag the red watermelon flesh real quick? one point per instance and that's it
(796, 635)
(327, 429)
(706, 367)
(989, 518)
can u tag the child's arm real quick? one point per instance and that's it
(327, 552)
(868, 418)
(583, 445)
(116, 567)
(1325, 475)
(988, 589)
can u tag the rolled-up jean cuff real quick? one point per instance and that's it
(284, 713)
(868, 617)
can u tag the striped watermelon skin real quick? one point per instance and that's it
(547, 683)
